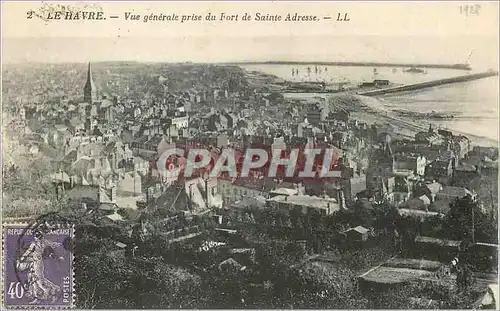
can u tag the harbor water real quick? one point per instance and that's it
(473, 104)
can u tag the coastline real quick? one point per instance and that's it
(360, 108)
(464, 67)
(367, 109)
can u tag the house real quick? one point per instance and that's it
(442, 206)
(428, 189)
(412, 162)
(357, 234)
(314, 115)
(283, 191)
(340, 115)
(305, 203)
(465, 172)
(75, 125)
(445, 133)
(230, 266)
(180, 121)
(451, 193)
(491, 152)
(461, 146)
(420, 203)
(440, 170)
(380, 169)
(234, 190)
(173, 198)
(106, 110)
(428, 138)
(432, 248)
(416, 213)
(95, 193)
(134, 112)
(217, 122)
(403, 188)
(488, 166)
(129, 184)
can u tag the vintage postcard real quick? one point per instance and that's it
(250, 155)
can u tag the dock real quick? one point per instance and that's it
(423, 85)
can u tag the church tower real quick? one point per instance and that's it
(90, 90)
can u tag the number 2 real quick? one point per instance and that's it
(16, 290)
(29, 14)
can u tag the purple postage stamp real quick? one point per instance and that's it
(38, 266)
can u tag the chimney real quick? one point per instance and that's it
(340, 198)
(112, 194)
(113, 161)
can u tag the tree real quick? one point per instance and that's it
(316, 285)
(458, 223)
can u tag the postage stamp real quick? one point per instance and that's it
(38, 266)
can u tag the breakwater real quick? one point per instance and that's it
(422, 85)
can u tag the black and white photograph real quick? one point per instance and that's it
(250, 155)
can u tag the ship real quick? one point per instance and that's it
(415, 70)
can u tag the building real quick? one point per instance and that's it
(465, 172)
(233, 190)
(314, 115)
(412, 162)
(379, 177)
(180, 121)
(356, 234)
(106, 110)
(379, 83)
(430, 190)
(452, 193)
(90, 90)
(305, 203)
(430, 137)
(440, 170)
(461, 146)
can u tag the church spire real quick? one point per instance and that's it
(90, 90)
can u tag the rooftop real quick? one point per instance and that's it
(264, 184)
(440, 242)
(359, 229)
(306, 200)
(285, 191)
(390, 275)
(454, 192)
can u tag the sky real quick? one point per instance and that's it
(414, 32)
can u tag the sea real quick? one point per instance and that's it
(473, 104)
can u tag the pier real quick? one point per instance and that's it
(423, 85)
